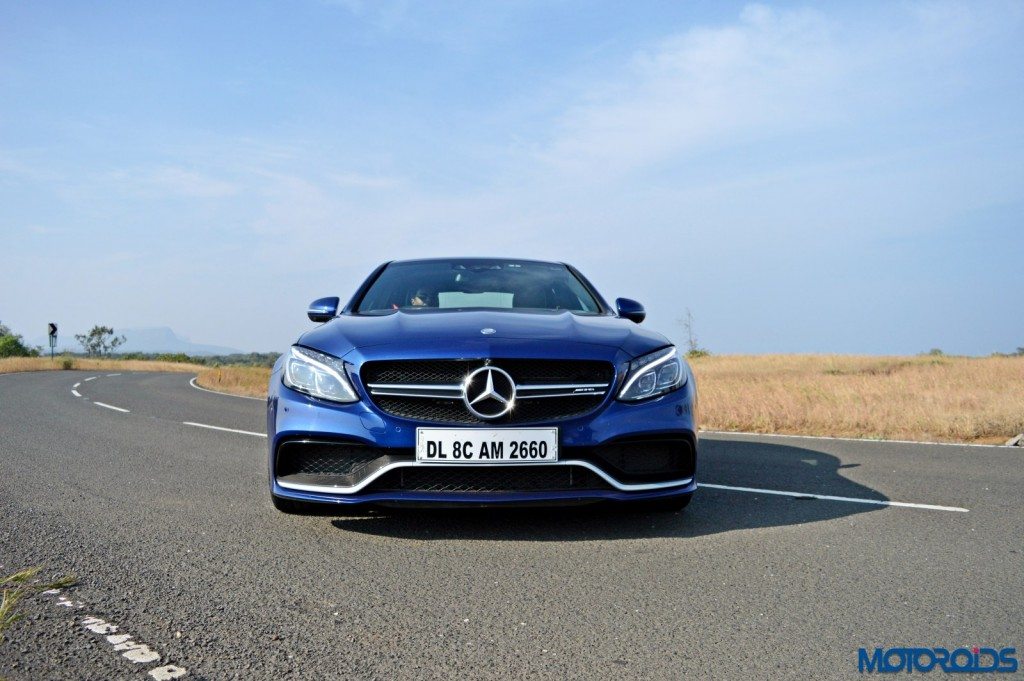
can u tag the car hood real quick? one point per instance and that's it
(421, 333)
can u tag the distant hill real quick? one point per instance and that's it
(160, 339)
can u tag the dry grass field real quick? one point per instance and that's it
(237, 380)
(10, 365)
(944, 399)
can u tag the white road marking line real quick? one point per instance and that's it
(113, 375)
(110, 406)
(850, 439)
(226, 430)
(92, 378)
(77, 384)
(98, 626)
(67, 602)
(76, 393)
(137, 652)
(217, 392)
(826, 497)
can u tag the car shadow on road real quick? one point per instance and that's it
(735, 463)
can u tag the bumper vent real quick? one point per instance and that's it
(498, 479)
(639, 460)
(333, 463)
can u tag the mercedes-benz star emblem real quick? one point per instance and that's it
(489, 392)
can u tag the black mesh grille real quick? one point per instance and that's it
(494, 479)
(454, 411)
(522, 371)
(644, 460)
(325, 459)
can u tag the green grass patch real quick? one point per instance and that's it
(19, 585)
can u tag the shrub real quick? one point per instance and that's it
(67, 362)
(12, 345)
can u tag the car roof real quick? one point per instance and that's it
(472, 259)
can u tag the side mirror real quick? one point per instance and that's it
(323, 309)
(630, 309)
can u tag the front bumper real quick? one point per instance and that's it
(353, 454)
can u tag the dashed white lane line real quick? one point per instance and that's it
(110, 406)
(75, 393)
(113, 375)
(77, 384)
(92, 378)
(193, 383)
(135, 651)
(226, 430)
(827, 497)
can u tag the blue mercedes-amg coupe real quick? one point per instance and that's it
(472, 381)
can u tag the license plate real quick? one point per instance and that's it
(486, 445)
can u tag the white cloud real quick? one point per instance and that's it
(770, 72)
(362, 181)
(171, 181)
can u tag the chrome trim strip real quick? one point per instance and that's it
(621, 486)
(413, 386)
(562, 386)
(537, 397)
(436, 396)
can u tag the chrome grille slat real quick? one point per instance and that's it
(454, 392)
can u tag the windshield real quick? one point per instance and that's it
(491, 284)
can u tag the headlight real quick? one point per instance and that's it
(317, 374)
(654, 374)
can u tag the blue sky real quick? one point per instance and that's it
(842, 177)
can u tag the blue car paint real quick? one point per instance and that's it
(436, 334)
(425, 333)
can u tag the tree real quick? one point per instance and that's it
(693, 348)
(12, 345)
(99, 341)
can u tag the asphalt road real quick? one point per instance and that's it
(184, 564)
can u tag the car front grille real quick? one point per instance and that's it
(450, 411)
(430, 390)
(492, 479)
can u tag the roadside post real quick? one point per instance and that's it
(52, 330)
